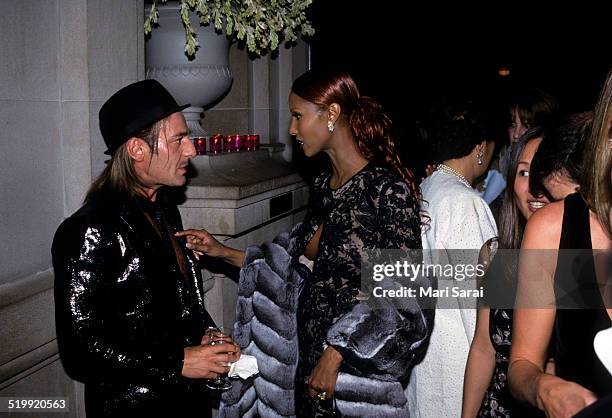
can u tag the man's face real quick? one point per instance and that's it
(168, 166)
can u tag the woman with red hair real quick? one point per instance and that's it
(353, 358)
(368, 200)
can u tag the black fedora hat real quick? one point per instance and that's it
(132, 109)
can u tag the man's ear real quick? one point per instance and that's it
(136, 148)
(334, 112)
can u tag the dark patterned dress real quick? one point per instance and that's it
(497, 401)
(373, 209)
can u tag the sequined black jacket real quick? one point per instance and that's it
(124, 311)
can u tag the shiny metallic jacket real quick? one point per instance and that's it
(124, 310)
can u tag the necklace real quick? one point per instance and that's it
(449, 170)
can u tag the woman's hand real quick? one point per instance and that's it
(429, 169)
(559, 398)
(325, 374)
(202, 243)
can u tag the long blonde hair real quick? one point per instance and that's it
(597, 188)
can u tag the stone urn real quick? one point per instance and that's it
(199, 81)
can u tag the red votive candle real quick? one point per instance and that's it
(215, 144)
(249, 143)
(256, 141)
(200, 145)
(243, 142)
(228, 143)
(236, 143)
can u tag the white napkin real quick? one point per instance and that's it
(603, 347)
(244, 368)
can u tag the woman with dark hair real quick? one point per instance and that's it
(527, 108)
(516, 210)
(486, 392)
(580, 221)
(558, 165)
(459, 220)
(371, 202)
(347, 350)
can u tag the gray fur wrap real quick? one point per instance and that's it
(378, 345)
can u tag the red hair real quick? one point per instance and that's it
(370, 126)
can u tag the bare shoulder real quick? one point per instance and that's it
(543, 230)
(599, 239)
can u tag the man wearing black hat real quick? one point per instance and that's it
(130, 313)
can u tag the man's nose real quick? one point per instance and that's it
(189, 150)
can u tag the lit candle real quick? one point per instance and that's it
(249, 143)
(236, 143)
(228, 143)
(216, 144)
(256, 141)
(200, 145)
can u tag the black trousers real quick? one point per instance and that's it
(118, 400)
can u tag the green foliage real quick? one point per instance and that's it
(262, 24)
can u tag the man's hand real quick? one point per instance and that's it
(325, 374)
(209, 361)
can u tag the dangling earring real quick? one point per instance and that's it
(330, 126)
(480, 155)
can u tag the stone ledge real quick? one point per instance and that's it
(18, 290)
(240, 175)
(206, 202)
(28, 363)
(240, 216)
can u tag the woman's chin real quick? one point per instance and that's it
(308, 152)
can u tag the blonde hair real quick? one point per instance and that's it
(596, 188)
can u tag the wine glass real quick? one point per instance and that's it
(216, 336)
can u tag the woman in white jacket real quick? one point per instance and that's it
(459, 219)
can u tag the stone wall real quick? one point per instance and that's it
(61, 59)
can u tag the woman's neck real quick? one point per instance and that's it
(462, 166)
(346, 160)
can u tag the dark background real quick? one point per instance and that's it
(456, 47)
(409, 55)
